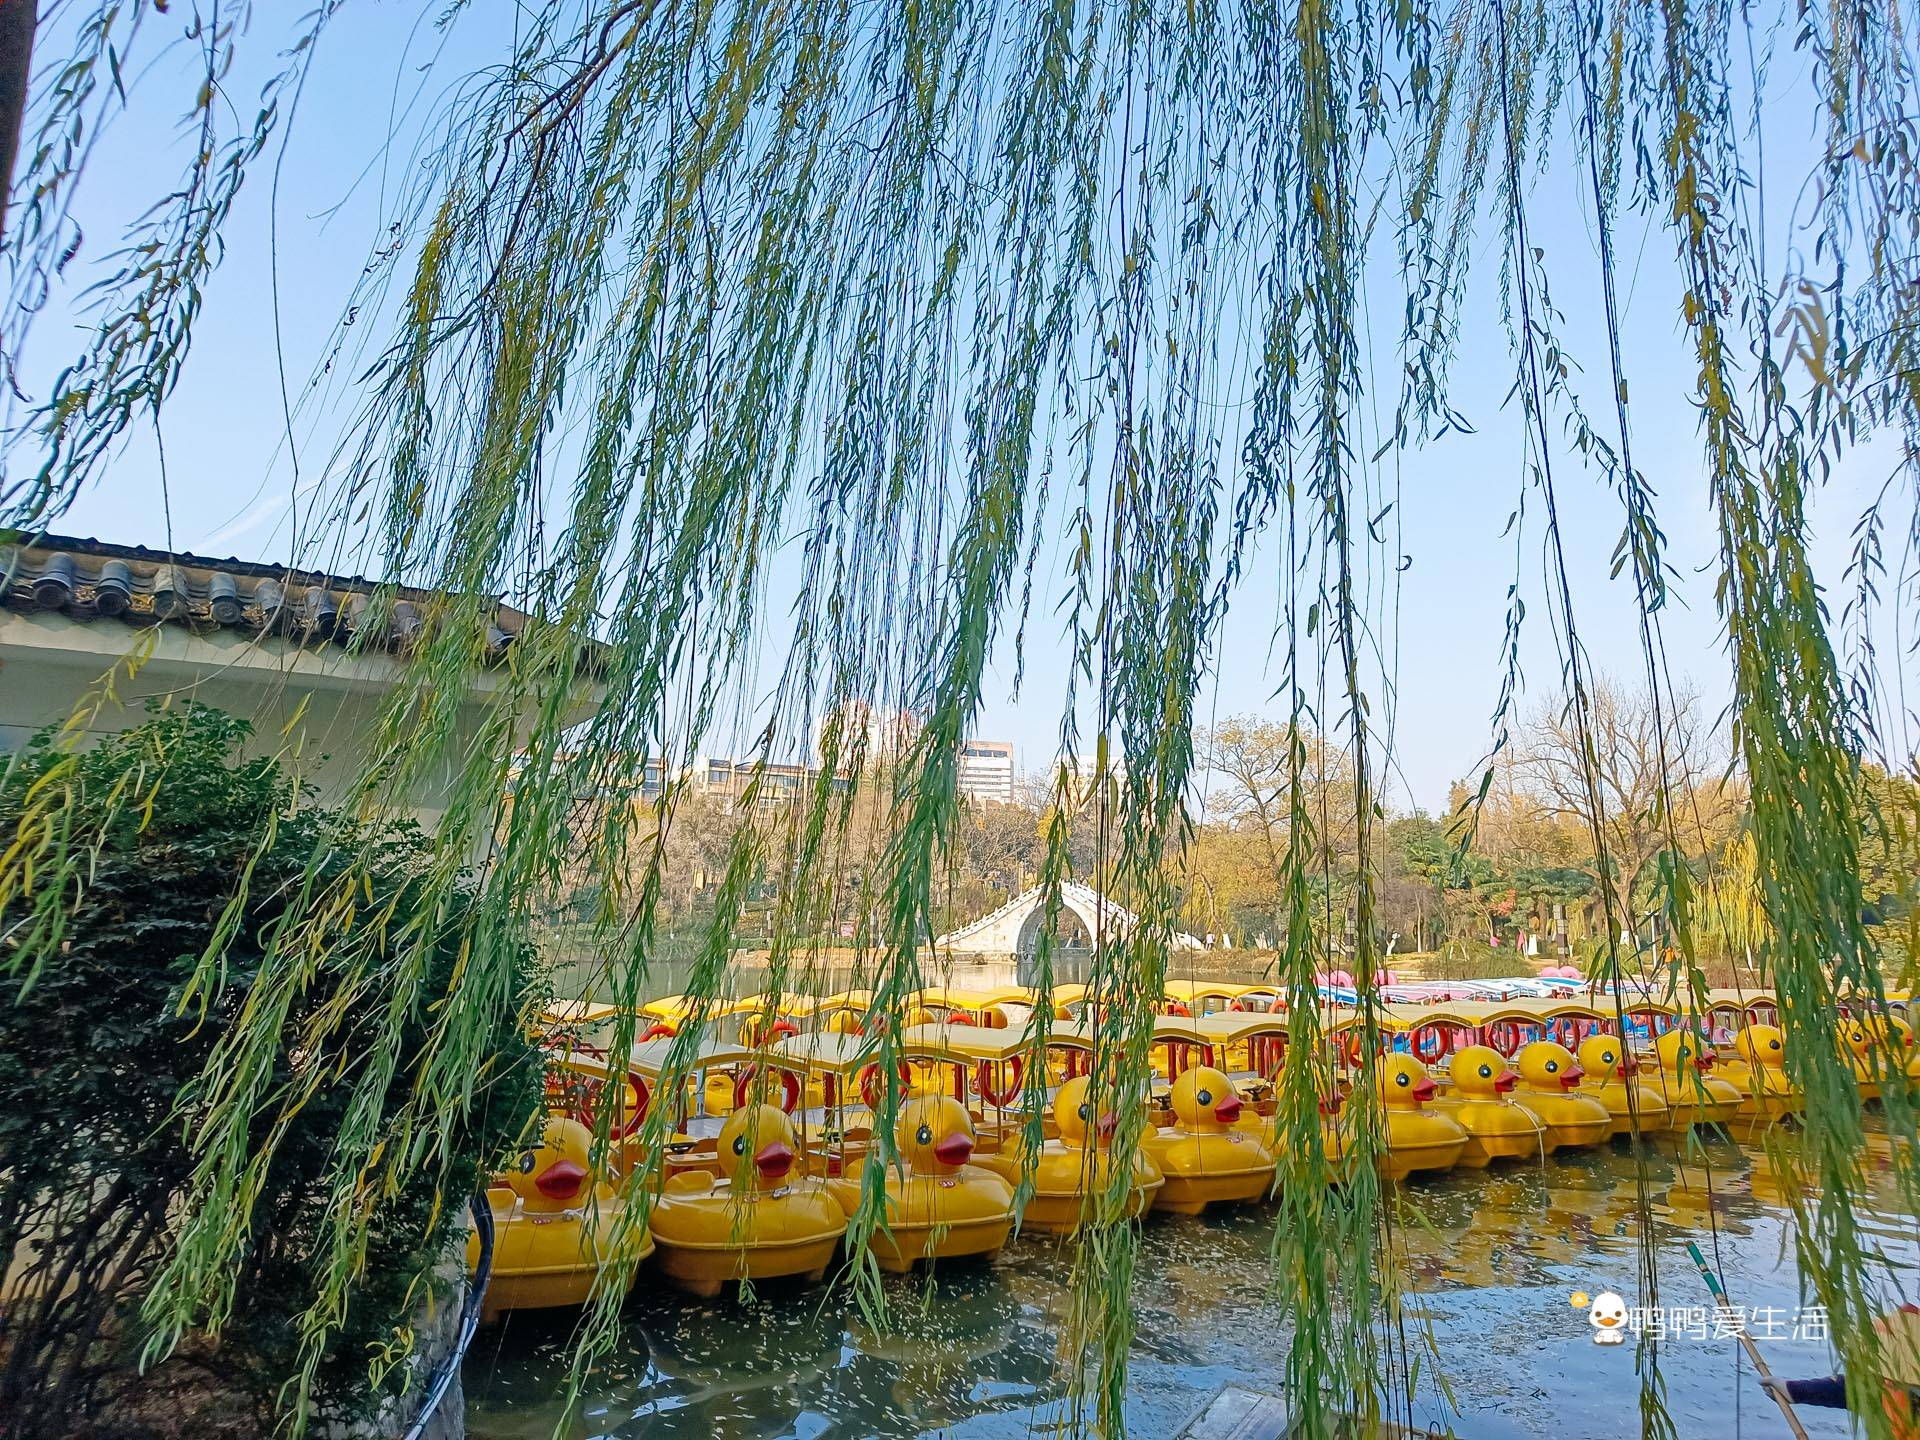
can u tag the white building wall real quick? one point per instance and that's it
(986, 770)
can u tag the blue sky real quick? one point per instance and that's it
(233, 489)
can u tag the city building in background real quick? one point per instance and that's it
(877, 734)
(772, 784)
(986, 770)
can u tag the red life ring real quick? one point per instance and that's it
(1504, 1036)
(789, 1087)
(586, 1106)
(870, 1084)
(658, 1032)
(774, 1032)
(1430, 1052)
(959, 1017)
(1016, 1067)
(1174, 1007)
(642, 1097)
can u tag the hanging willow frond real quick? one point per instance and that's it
(863, 304)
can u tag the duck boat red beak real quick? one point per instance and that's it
(1705, 1060)
(1106, 1125)
(774, 1160)
(1228, 1110)
(1628, 1066)
(1505, 1081)
(1424, 1089)
(1570, 1079)
(560, 1180)
(955, 1149)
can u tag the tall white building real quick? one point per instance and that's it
(986, 770)
(883, 736)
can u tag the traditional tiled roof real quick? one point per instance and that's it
(93, 580)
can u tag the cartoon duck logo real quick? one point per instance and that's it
(1608, 1316)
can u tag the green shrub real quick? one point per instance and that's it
(94, 1055)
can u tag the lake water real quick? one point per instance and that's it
(972, 1351)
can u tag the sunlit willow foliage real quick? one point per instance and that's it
(929, 288)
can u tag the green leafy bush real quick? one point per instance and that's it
(148, 835)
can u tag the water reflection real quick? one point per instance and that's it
(1491, 1259)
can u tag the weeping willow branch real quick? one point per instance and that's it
(746, 349)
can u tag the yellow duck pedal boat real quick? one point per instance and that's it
(938, 1206)
(1694, 1094)
(1073, 1173)
(760, 1224)
(1204, 1156)
(1893, 1040)
(1611, 1072)
(1415, 1138)
(1857, 1044)
(1879, 1049)
(1550, 1087)
(1498, 1128)
(554, 1227)
(1271, 1130)
(1760, 1052)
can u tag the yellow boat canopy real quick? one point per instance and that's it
(1221, 1028)
(805, 1007)
(650, 1059)
(676, 1010)
(860, 1000)
(969, 1043)
(944, 997)
(1192, 992)
(1071, 1035)
(823, 1053)
(578, 1012)
(1225, 1027)
(1723, 997)
(1072, 994)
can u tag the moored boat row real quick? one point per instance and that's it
(761, 1156)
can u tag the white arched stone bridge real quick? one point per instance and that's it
(1014, 929)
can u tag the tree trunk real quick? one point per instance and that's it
(17, 21)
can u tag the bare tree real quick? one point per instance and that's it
(1250, 756)
(1655, 776)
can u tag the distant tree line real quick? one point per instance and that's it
(1514, 865)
